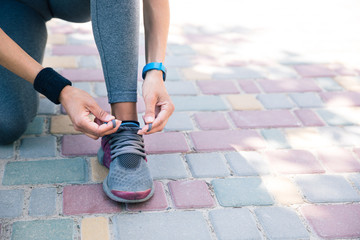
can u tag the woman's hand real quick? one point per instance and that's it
(79, 104)
(159, 106)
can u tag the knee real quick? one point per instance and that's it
(12, 127)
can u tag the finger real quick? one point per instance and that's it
(99, 113)
(150, 103)
(113, 130)
(158, 124)
(91, 136)
(93, 128)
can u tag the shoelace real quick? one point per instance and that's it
(126, 142)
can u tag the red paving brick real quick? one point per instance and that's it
(248, 86)
(314, 71)
(289, 85)
(338, 160)
(217, 87)
(211, 121)
(73, 145)
(165, 143)
(308, 118)
(341, 99)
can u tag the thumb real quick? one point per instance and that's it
(100, 114)
(149, 116)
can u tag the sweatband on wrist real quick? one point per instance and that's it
(50, 83)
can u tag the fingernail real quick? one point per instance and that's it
(149, 119)
(109, 118)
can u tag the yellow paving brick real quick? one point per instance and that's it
(302, 138)
(95, 228)
(193, 74)
(349, 83)
(62, 124)
(98, 172)
(284, 191)
(244, 102)
(56, 39)
(60, 62)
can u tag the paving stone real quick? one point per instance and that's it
(275, 138)
(338, 160)
(289, 85)
(80, 39)
(244, 102)
(211, 121)
(248, 86)
(247, 163)
(167, 166)
(85, 75)
(170, 142)
(180, 49)
(86, 86)
(87, 199)
(355, 179)
(55, 38)
(74, 145)
(179, 121)
(340, 136)
(334, 221)
(234, 223)
(218, 140)
(350, 83)
(204, 165)
(46, 107)
(42, 202)
(195, 74)
(326, 188)
(98, 172)
(36, 126)
(100, 89)
(6, 151)
(180, 88)
(305, 138)
(60, 62)
(57, 229)
(281, 223)
(340, 116)
(188, 225)
(284, 191)
(239, 73)
(309, 118)
(314, 71)
(157, 202)
(237, 192)
(328, 84)
(174, 74)
(218, 87)
(73, 50)
(36, 147)
(293, 162)
(46, 172)
(198, 103)
(95, 228)
(11, 203)
(89, 62)
(190, 194)
(178, 61)
(264, 119)
(307, 100)
(61, 124)
(275, 101)
(341, 99)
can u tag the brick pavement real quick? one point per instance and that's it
(264, 142)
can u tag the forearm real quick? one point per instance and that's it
(16, 60)
(156, 23)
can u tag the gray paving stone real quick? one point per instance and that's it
(173, 74)
(275, 138)
(275, 101)
(234, 223)
(100, 89)
(36, 126)
(181, 88)
(38, 147)
(355, 179)
(46, 106)
(307, 100)
(281, 223)
(247, 163)
(198, 103)
(90, 62)
(237, 192)
(179, 122)
(11, 203)
(80, 39)
(326, 188)
(42, 202)
(203, 165)
(167, 166)
(180, 49)
(86, 86)
(238, 72)
(188, 225)
(59, 229)
(328, 84)
(340, 137)
(332, 118)
(6, 151)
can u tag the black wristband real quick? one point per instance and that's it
(50, 83)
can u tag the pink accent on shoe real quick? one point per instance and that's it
(107, 152)
(131, 195)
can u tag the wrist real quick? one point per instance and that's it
(65, 92)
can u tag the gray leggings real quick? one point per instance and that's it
(115, 27)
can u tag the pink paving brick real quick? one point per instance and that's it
(309, 118)
(264, 119)
(87, 199)
(227, 140)
(248, 86)
(289, 85)
(157, 201)
(338, 160)
(314, 71)
(168, 142)
(74, 145)
(86, 75)
(101, 101)
(293, 162)
(74, 50)
(217, 87)
(211, 121)
(140, 105)
(334, 221)
(191, 194)
(357, 152)
(341, 99)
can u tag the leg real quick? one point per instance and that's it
(18, 99)
(116, 27)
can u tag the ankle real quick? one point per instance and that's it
(124, 111)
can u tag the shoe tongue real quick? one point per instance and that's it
(130, 124)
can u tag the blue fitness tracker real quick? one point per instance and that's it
(156, 66)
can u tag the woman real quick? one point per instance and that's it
(115, 25)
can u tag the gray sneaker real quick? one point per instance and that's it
(129, 179)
